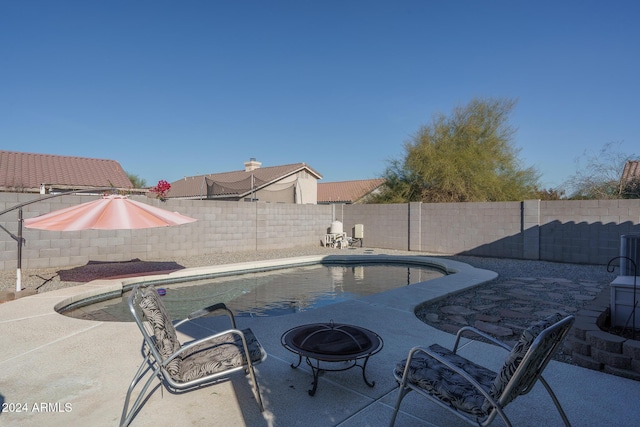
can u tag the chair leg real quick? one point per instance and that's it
(402, 392)
(128, 414)
(402, 389)
(252, 374)
(136, 378)
(555, 401)
(502, 415)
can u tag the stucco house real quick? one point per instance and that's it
(347, 192)
(294, 183)
(49, 173)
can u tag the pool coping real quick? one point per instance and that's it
(458, 276)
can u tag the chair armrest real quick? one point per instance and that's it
(207, 311)
(480, 333)
(449, 365)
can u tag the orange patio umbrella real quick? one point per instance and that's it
(109, 213)
(112, 212)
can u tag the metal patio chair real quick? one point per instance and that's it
(182, 367)
(473, 392)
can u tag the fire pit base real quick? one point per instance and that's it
(324, 343)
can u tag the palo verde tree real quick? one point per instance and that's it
(467, 156)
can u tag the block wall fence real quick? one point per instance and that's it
(573, 231)
(585, 231)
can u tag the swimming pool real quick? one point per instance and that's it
(271, 293)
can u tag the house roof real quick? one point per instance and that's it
(347, 191)
(236, 183)
(631, 171)
(27, 171)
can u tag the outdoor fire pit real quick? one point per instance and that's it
(323, 343)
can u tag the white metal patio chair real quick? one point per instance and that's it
(473, 392)
(182, 367)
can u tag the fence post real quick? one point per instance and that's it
(531, 229)
(415, 226)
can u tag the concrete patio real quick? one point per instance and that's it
(62, 371)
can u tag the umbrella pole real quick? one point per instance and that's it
(19, 239)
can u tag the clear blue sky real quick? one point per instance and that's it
(175, 88)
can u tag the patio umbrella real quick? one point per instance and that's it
(112, 212)
(108, 213)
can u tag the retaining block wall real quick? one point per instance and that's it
(593, 348)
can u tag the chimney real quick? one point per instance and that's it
(252, 164)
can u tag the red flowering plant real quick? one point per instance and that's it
(161, 190)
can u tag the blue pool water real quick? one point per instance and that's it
(272, 293)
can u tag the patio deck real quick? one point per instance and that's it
(64, 371)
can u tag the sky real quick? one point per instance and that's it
(181, 88)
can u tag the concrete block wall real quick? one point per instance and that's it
(585, 231)
(483, 229)
(582, 231)
(531, 229)
(221, 227)
(385, 226)
(228, 227)
(561, 231)
(288, 225)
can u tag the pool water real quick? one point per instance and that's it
(271, 293)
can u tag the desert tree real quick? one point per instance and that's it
(467, 156)
(136, 181)
(598, 175)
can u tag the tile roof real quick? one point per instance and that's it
(347, 191)
(239, 182)
(26, 171)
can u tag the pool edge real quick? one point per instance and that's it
(459, 276)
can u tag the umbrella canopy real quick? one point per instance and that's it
(109, 213)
